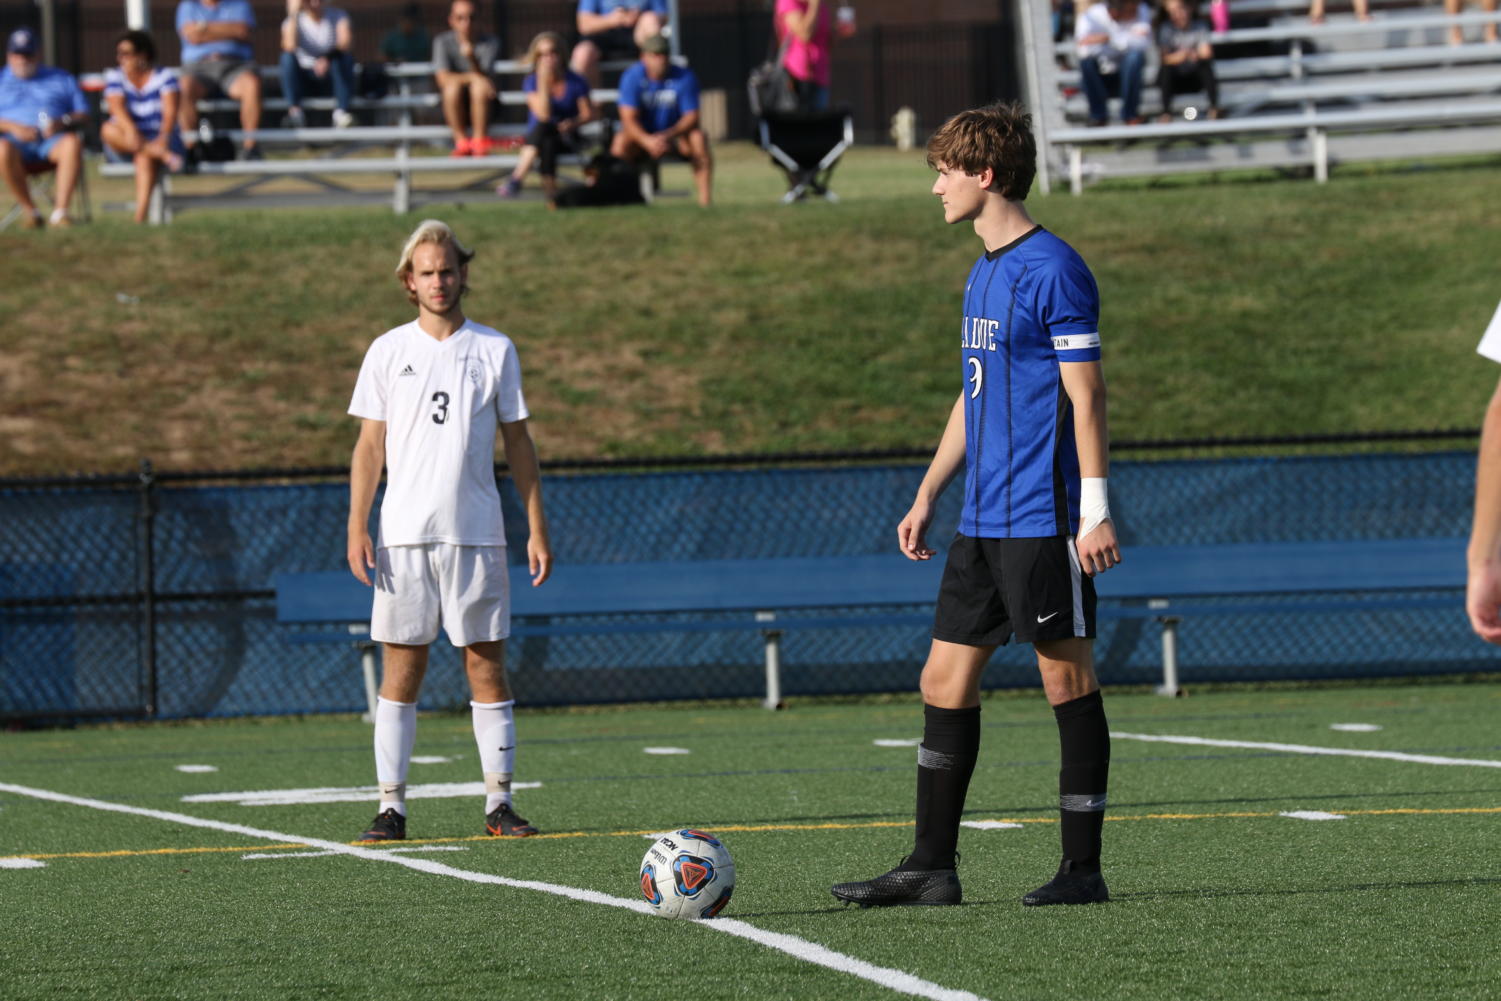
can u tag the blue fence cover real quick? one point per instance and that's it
(72, 559)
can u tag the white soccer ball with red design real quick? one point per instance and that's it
(687, 874)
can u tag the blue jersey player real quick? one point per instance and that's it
(1028, 431)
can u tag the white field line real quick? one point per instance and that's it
(345, 794)
(809, 952)
(1338, 752)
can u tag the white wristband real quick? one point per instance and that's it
(1094, 503)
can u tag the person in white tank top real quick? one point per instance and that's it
(431, 397)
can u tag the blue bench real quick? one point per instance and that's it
(1166, 583)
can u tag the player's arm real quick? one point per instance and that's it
(1483, 593)
(1084, 382)
(521, 456)
(364, 476)
(947, 461)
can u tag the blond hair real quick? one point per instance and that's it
(430, 231)
(998, 136)
(556, 39)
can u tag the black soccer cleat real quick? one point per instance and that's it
(903, 888)
(502, 822)
(1073, 885)
(388, 825)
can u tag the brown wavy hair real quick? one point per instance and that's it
(998, 136)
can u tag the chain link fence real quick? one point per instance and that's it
(151, 595)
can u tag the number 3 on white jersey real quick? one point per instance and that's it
(976, 377)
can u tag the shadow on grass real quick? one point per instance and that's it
(1427, 884)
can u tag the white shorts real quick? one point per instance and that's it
(465, 588)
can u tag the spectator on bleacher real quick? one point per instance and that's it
(1113, 39)
(807, 29)
(1362, 10)
(557, 103)
(315, 53)
(1187, 58)
(41, 111)
(462, 60)
(1457, 34)
(142, 102)
(659, 115)
(216, 55)
(408, 42)
(613, 29)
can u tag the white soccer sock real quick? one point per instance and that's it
(395, 730)
(495, 734)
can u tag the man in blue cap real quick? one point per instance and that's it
(41, 111)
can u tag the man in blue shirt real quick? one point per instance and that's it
(41, 110)
(659, 115)
(1029, 431)
(216, 56)
(613, 29)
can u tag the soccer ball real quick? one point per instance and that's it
(687, 874)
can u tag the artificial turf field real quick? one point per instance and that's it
(1217, 892)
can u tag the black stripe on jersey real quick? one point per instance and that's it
(980, 418)
(1010, 412)
(1060, 487)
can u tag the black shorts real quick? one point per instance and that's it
(1032, 588)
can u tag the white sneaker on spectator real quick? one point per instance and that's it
(342, 119)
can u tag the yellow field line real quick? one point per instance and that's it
(750, 828)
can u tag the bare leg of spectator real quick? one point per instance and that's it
(247, 90)
(1456, 33)
(479, 117)
(15, 180)
(694, 147)
(68, 155)
(1490, 30)
(1362, 10)
(585, 62)
(130, 144)
(146, 171)
(453, 114)
(187, 113)
(1316, 12)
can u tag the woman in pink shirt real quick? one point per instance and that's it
(807, 29)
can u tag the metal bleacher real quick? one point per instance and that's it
(1293, 94)
(398, 150)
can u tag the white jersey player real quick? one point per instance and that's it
(1483, 591)
(431, 396)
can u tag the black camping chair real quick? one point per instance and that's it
(807, 145)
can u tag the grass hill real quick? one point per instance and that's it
(1251, 305)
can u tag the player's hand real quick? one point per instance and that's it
(538, 559)
(26, 133)
(1098, 551)
(361, 556)
(1483, 602)
(911, 534)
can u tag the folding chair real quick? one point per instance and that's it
(42, 172)
(807, 145)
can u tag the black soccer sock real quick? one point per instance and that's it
(1085, 740)
(945, 762)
